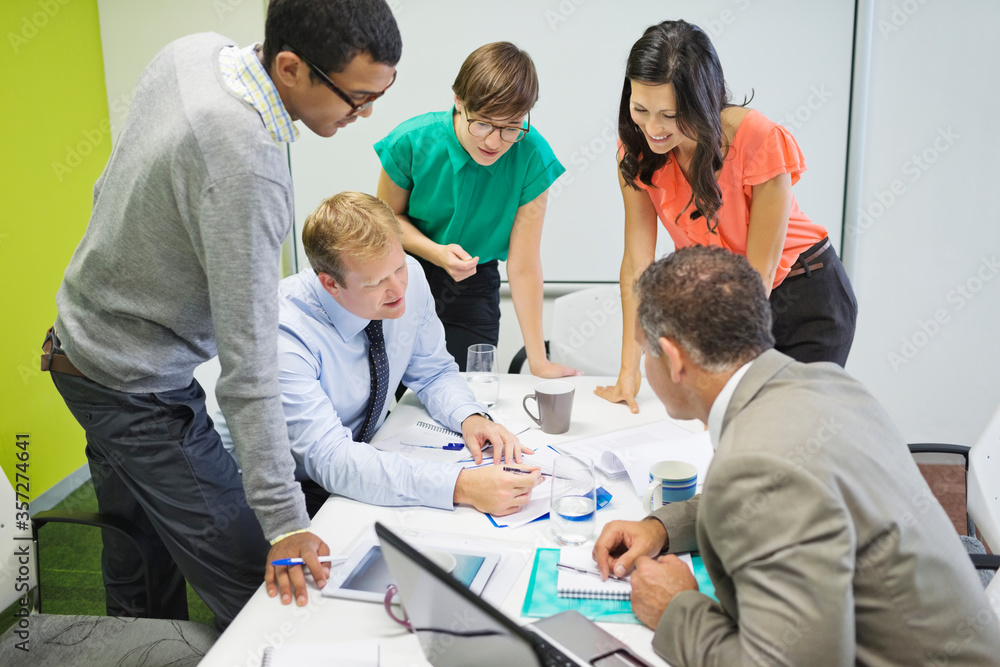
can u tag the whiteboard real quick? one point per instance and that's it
(794, 56)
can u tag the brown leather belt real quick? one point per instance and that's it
(804, 267)
(56, 361)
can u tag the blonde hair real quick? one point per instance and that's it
(349, 223)
(498, 80)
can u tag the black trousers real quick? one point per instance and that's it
(469, 309)
(815, 313)
(157, 461)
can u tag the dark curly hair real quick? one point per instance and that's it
(681, 54)
(710, 301)
(330, 33)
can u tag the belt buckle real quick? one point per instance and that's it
(51, 351)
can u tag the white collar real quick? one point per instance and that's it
(721, 404)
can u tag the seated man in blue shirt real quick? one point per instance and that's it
(360, 274)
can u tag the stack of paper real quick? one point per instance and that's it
(610, 452)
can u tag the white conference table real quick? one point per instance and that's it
(266, 622)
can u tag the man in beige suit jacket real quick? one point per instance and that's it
(825, 545)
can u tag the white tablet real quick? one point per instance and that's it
(365, 575)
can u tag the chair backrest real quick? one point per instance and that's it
(984, 482)
(587, 330)
(17, 559)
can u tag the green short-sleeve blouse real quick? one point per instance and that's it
(453, 199)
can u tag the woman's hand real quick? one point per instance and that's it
(550, 369)
(458, 263)
(624, 391)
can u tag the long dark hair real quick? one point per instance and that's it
(681, 54)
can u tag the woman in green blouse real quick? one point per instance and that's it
(469, 187)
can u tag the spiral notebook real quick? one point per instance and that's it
(585, 580)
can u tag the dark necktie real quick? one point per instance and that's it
(378, 364)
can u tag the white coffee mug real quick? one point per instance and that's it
(672, 482)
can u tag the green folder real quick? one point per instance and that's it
(542, 600)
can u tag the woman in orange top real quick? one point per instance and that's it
(715, 173)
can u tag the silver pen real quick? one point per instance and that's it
(564, 566)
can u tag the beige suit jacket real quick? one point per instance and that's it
(825, 545)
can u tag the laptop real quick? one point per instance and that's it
(457, 628)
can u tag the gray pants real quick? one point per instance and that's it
(157, 461)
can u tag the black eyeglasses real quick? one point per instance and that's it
(355, 108)
(481, 129)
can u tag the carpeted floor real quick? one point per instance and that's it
(70, 563)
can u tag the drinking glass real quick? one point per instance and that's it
(481, 373)
(574, 500)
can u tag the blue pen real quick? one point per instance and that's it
(450, 447)
(288, 562)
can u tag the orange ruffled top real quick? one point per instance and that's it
(761, 150)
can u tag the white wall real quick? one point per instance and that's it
(925, 348)
(132, 31)
(795, 57)
(923, 238)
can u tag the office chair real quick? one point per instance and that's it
(586, 332)
(982, 468)
(55, 639)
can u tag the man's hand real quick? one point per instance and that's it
(550, 369)
(458, 263)
(292, 580)
(623, 542)
(624, 391)
(477, 431)
(655, 583)
(491, 489)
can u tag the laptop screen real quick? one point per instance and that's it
(454, 626)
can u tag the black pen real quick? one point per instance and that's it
(519, 471)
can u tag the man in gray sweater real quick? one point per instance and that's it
(180, 262)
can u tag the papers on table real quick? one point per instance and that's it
(425, 440)
(541, 495)
(693, 448)
(610, 452)
(633, 451)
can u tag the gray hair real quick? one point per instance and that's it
(708, 300)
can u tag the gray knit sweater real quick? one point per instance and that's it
(181, 260)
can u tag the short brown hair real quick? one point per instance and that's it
(349, 223)
(708, 300)
(498, 80)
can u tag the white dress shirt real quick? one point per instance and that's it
(325, 388)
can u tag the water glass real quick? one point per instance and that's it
(481, 373)
(574, 500)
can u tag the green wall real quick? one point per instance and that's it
(54, 113)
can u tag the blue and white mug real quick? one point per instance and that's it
(672, 482)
